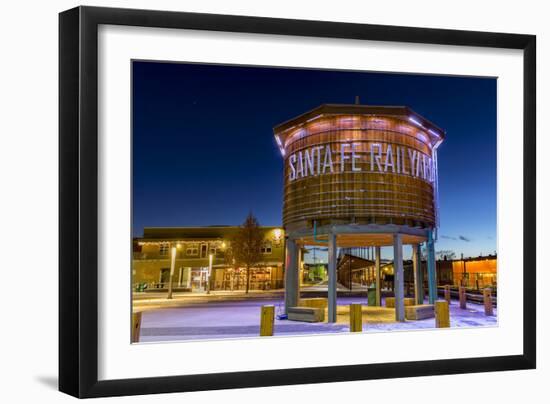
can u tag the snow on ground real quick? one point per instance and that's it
(241, 318)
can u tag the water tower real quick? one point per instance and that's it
(360, 176)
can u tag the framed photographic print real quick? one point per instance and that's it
(251, 201)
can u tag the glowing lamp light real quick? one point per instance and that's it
(298, 133)
(348, 119)
(421, 136)
(277, 233)
(314, 118)
(414, 121)
(433, 132)
(278, 141)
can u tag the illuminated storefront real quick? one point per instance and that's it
(475, 273)
(195, 247)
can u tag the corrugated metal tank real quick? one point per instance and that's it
(359, 164)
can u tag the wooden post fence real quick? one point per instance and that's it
(266, 321)
(462, 296)
(136, 326)
(442, 318)
(355, 318)
(488, 302)
(447, 293)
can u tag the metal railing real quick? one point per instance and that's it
(475, 280)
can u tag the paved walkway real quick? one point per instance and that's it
(214, 319)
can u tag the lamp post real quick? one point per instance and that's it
(210, 258)
(173, 252)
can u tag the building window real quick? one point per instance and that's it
(164, 277)
(266, 248)
(163, 250)
(204, 249)
(192, 251)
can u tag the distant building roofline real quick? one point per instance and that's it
(184, 233)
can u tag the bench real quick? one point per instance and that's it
(318, 302)
(419, 312)
(307, 314)
(407, 301)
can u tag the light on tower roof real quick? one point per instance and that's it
(414, 121)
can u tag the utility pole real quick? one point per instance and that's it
(350, 272)
(208, 283)
(173, 252)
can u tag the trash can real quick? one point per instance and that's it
(371, 295)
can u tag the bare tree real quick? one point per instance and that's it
(245, 246)
(229, 258)
(445, 255)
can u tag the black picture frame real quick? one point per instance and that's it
(78, 200)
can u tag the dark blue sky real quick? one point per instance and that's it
(204, 151)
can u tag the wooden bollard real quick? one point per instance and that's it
(442, 319)
(447, 293)
(355, 318)
(488, 302)
(462, 296)
(136, 326)
(266, 320)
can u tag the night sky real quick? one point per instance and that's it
(204, 151)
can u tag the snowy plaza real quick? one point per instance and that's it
(240, 318)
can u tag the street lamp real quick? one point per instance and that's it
(173, 252)
(210, 258)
